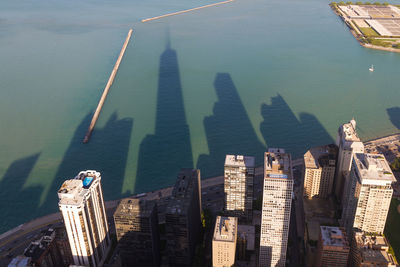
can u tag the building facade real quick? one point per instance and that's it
(368, 195)
(183, 218)
(136, 225)
(319, 174)
(349, 143)
(276, 206)
(333, 247)
(238, 186)
(82, 206)
(224, 241)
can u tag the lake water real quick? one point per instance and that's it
(234, 78)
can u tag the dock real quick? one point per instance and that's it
(187, 10)
(106, 89)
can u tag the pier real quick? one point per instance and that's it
(187, 10)
(106, 89)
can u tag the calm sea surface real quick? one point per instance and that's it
(235, 78)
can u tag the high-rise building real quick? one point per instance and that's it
(276, 205)
(238, 186)
(349, 143)
(82, 206)
(333, 247)
(319, 173)
(224, 241)
(136, 226)
(183, 218)
(368, 194)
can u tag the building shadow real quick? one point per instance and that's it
(394, 116)
(281, 128)
(12, 191)
(164, 153)
(228, 130)
(106, 152)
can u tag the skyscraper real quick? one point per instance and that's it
(368, 194)
(82, 206)
(183, 218)
(224, 241)
(136, 225)
(238, 186)
(276, 205)
(349, 143)
(319, 173)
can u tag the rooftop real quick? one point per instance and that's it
(349, 131)
(135, 207)
(320, 156)
(333, 236)
(371, 242)
(225, 229)
(373, 169)
(183, 190)
(278, 164)
(377, 257)
(73, 191)
(240, 161)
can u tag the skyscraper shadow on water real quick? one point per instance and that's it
(164, 153)
(18, 204)
(281, 128)
(394, 116)
(106, 152)
(228, 130)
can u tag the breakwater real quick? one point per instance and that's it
(187, 10)
(106, 89)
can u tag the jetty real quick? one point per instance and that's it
(187, 10)
(106, 89)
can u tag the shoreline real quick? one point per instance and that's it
(52, 218)
(359, 36)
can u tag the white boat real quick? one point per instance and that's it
(371, 69)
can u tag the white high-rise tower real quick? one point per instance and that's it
(276, 206)
(348, 143)
(82, 206)
(368, 195)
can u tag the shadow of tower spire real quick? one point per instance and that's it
(164, 153)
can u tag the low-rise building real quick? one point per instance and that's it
(224, 241)
(333, 247)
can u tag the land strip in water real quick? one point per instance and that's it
(107, 88)
(374, 26)
(185, 11)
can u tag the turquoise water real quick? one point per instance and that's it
(235, 78)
